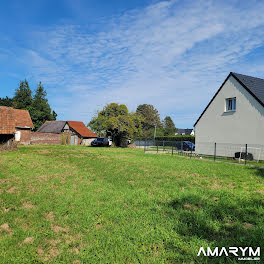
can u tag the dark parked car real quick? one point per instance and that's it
(244, 155)
(101, 142)
(185, 145)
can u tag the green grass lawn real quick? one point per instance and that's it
(66, 204)
(168, 150)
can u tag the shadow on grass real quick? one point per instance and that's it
(218, 222)
(257, 171)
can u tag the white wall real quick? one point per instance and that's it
(87, 141)
(245, 125)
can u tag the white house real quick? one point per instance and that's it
(185, 131)
(234, 117)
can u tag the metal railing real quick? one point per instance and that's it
(240, 153)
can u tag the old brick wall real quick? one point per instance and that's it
(45, 138)
(87, 141)
(24, 136)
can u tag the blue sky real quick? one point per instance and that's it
(172, 54)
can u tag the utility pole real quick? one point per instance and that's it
(155, 131)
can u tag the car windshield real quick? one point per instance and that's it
(100, 139)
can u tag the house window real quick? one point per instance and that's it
(231, 104)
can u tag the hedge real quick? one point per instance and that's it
(176, 138)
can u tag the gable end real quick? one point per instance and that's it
(213, 98)
(242, 84)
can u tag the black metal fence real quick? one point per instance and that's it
(240, 153)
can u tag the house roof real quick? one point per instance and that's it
(52, 127)
(23, 118)
(186, 131)
(57, 126)
(7, 120)
(81, 129)
(11, 118)
(255, 86)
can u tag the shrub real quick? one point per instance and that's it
(177, 138)
(63, 139)
(68, 140)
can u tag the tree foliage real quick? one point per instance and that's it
(37, 105)
(168, 126)
(23, 96)
(116, 121)
(150, 116)
(40, 109)
(6, 101)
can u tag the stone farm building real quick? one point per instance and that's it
(71, 132)
(15, 125)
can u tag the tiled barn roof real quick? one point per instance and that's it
(52, 127)
(11, 118)
(81, 129)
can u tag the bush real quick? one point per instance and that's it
(63, 141)
(177, 138)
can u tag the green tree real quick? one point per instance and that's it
(54, 115)
(6, 101)
(150, 118)
(115, 121)
(149, 134)
(23, 96)
(38, 106)
(168, 126)
(40, 110)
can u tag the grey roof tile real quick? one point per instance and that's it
(254, 85)
(52, 127)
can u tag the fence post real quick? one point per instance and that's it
(214, 151)
(163, 146)
(172, 149)
(145, 147)
(157, 146)
(181, 147)
(246, 156)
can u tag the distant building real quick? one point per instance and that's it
(76, 131)
(185, 131)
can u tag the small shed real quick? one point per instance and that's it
(80, 134)
(15, 125)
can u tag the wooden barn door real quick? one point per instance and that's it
(72, 139)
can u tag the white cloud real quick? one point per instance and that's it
(172, 54)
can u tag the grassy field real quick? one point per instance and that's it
(168, 150)
(66, 204)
